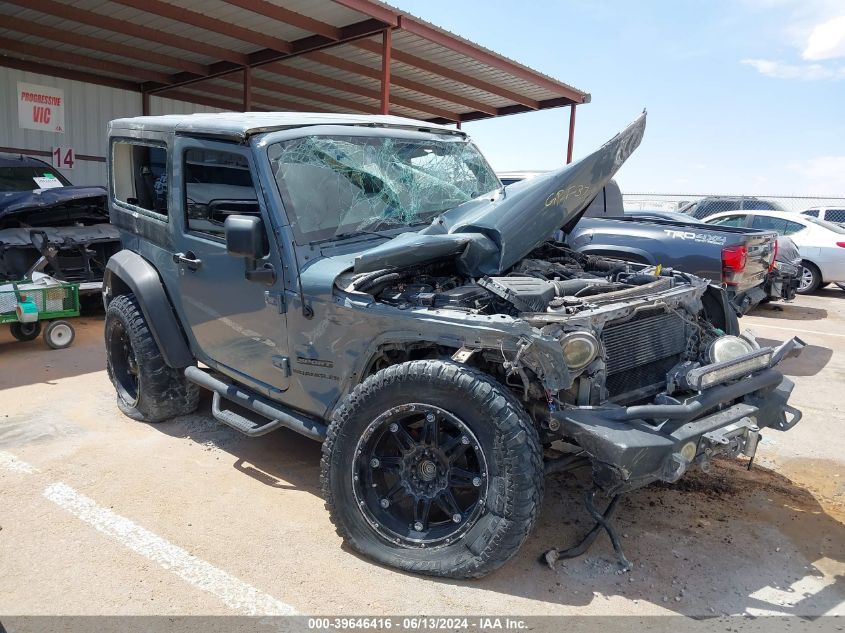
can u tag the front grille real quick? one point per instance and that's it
(640, 351)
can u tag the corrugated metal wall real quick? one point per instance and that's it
(88, 108)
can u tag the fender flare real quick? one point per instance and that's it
(126, 272)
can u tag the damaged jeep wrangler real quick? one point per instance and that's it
(366, 281)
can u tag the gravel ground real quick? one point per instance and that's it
(104, 515)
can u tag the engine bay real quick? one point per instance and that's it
(552, 279)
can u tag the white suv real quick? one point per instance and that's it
(831, 214)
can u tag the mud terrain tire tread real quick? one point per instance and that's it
(163, 392)
(515, 461)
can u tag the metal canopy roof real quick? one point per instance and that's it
(356, 56)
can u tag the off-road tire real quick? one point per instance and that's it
(25, 331)
(814, 273)
(505, 434)
(162, 392)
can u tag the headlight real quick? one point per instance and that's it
(727, 348)
(579, 349)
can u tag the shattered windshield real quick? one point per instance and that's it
(340, 185)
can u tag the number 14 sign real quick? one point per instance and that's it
(63, 157)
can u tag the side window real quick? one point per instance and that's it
(792, 227)
(811, 212)
(730, 220)
(758, 205)
(709, 207)
(835, 215)
(217, 184)
(781, 225)
(140, 175)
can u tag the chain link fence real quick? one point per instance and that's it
(703, 205)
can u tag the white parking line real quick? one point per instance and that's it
(797, 331)
(11, 463)
(234, 593)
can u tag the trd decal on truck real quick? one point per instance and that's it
(696, 237)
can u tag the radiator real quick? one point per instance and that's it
(640, 351)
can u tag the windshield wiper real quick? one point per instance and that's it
(346, 234)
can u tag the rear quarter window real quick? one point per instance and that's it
(781, 225)
(139, 176)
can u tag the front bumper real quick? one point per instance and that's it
(631, 447)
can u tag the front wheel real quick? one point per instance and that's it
(147, 388)
(433, 467)
(811, 278)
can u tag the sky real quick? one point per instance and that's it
(743, 96)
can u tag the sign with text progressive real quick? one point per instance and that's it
(41, 108)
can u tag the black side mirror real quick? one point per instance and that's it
(244, 236)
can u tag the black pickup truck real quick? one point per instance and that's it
(741, 259)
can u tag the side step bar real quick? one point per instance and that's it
(278, 416)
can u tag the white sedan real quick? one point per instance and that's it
(821, 243)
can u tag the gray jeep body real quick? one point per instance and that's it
(294, 331)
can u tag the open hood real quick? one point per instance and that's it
(491, 234)
(39, 199)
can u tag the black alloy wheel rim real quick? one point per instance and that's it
(419, 476)
(123, 364)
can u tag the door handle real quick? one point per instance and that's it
(189, 259)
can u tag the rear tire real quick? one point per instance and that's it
(147, 388)
(810, 280)
(25, 331)
(433, 467)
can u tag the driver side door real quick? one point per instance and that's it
(236, 321)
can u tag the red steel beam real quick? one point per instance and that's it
(41, 52)
(281, 14)
(81, 16)
(372, 9)
(444, 71)
(266, 56)
(220, 27)
(356, 89)
(386, 45)
(247, 95)
(68, 73)
(571, 142)
(113, 48)
(374, 73)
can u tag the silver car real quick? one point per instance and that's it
(821, 243)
